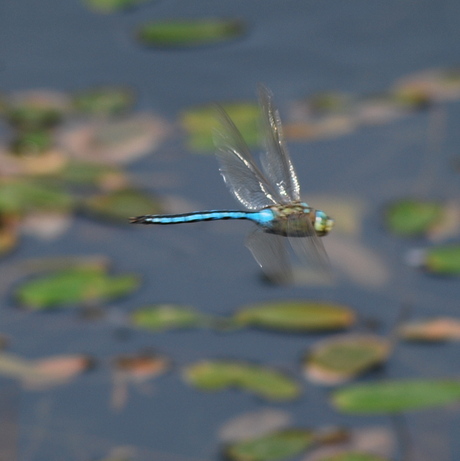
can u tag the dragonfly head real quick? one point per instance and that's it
(323, 223)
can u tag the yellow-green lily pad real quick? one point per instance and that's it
(270, 447)
(296, 316)
(262, 381)
(442, 260)
(105, 100)
(119, 205)
(339, 359)
(201, 122)
(396, 396)
(112, 6)
(353, 456)
(164, 317)
(23, 195)
(189, 33)
(77, 285)
(410, 218)
(89, 173)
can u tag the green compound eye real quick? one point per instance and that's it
(323, 223)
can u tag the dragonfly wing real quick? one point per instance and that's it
(276, 162)
(242, 176)
(269, 250)
(311, 253)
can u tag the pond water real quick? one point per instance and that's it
(297, 48)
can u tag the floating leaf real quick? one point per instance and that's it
(329, 103)
(412, 217)
(77, 172)
(32, 142)
(189, 33)
(23, 195)
(8, 235)
(339, 359)
(442, 260)
(106, 100)
(277, 445)
(201, 122)
(433, 330)
(353, 456)
(396, 396)
(35, 110)
(254, 424)
(76, 285)
(142, 366)
(116, 141)
(164, 317)
(264, 382)
(112, 6)
(296, 316)
(119, 205)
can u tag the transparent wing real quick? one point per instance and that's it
(269, 250)
(276, 162)
(242, 176)
(311, 252)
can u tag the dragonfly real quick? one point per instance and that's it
(269, 191)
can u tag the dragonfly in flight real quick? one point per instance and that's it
(270, 194)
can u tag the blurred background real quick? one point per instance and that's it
(128, 342)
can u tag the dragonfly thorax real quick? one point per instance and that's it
(298, 219)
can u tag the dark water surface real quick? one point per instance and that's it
(296, 48)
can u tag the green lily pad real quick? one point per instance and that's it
(442, 260)
(353, 456)
(189, 33)
(396, 396)
(339, 359)
(36, 110)
(119, 205)
(107, 100)
(410, 218)
(274, 446)
(77, 285)
(296, 316)
(22, 195)
(201, 122)
(112, 6)
(32, 142)
(86, 173)
(262, 381)
(164, 317)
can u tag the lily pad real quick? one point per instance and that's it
(432, 330)
(77, 285)
(32, 142)
(442, 260)
(112, 6)
(86, 173)
(261, 381)
(337, 360)
(164, 317)
(118, 205)
(189, 33)
(36, 110)
(296, 316)
(274, 446)
(201, 122)
(353, 456)
(396, 396)
(19, 196)
(106, 100)
(410, 218)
